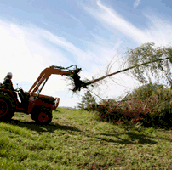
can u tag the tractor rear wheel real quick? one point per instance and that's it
(42, 115)
(6, 109)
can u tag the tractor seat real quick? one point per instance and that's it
(22, 96)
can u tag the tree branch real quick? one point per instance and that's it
(120, 71)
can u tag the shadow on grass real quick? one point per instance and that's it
(42, 128)
(132, 138)
(140, 138)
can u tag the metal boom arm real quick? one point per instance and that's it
(47, 72)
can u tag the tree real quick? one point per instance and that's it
(142, 61)
(150, 62)
(87, 101)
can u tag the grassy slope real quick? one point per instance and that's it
(75, 140)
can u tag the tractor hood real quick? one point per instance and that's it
(48, 100)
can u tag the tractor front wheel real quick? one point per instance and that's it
(42, 115)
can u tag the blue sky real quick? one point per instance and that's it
(35, 34)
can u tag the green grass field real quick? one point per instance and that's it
(76, 140)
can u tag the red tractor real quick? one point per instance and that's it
(32, 102)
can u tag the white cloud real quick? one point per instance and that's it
(110, 17)
(136, 3)
(23, 52)
(158, 31)
(80, 55)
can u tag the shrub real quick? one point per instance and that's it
(149, 104)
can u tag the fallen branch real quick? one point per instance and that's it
(78, 84)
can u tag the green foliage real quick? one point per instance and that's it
(146, 91)
(150, 104)
(88, 101)
(157, 62)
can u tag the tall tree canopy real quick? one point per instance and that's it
(150, 61)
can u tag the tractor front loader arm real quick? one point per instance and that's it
(47, 72)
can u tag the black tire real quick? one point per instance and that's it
(6, 109)
(34, 112)
(41, 115)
